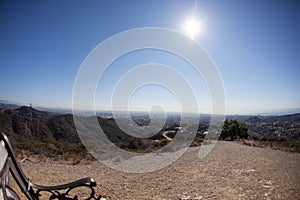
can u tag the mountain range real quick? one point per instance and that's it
(52, 133)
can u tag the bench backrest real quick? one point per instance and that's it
(8, 164)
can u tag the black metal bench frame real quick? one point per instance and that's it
(31, 190)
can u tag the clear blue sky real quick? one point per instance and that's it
(255, 45)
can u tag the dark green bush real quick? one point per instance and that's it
(232, 130)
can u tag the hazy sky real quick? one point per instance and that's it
(255, 45)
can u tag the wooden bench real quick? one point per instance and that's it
(9, 165)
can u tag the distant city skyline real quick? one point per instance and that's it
(254, 44)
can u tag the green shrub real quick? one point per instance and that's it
(232, 130)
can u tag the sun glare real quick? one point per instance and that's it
(192, 27)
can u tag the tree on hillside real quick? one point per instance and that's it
(233, 129)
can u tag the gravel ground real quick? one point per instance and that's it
(230, 171)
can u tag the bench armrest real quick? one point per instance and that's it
(57, 194)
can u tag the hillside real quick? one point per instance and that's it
(37, 132)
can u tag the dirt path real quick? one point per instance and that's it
(166, 136)
(230, 171)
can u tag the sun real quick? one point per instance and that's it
(191, 27)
